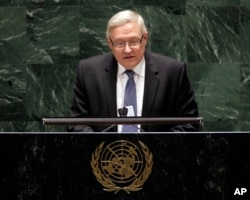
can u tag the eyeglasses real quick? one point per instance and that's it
(122, 44)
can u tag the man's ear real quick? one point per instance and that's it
(145, 37)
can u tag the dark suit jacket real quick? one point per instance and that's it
(167, 91)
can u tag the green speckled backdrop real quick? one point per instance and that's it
(41, 41)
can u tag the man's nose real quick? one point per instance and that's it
(127, 48)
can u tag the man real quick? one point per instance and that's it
(159, 86)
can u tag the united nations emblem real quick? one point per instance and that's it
(122, 165)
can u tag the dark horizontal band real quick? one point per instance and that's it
(121, 120)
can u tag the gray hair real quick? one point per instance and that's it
(124, 17)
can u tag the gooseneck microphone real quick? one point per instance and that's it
(123, 112)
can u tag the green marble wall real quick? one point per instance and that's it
(41, 41)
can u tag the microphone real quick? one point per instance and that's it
(122, 113)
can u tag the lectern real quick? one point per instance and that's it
(79, 166)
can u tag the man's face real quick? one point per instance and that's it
(128, 44)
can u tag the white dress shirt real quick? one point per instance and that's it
(122, 78)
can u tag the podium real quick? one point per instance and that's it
(128, 166)
(204, 165)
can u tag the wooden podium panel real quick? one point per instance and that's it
(169, 166)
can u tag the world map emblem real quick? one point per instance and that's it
(122, 165)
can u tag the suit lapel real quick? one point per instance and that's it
(109, 80)
(151, 85)
(150, 88)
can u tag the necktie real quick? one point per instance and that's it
(130, 99)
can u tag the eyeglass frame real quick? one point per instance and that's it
(125, 43)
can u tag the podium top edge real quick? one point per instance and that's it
(122, 120)
(142, 133)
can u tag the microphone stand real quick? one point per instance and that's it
(108, 128)
(122, 113)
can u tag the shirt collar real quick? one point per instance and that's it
(139, 69)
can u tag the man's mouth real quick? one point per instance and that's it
(128, 57)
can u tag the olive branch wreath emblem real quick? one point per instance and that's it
(109, 185)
